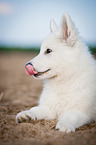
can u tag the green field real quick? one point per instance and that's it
(36, 49)
(19, 49)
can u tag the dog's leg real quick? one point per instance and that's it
(35, 113)
(72, 120)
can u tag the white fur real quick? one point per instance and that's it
(69, 93)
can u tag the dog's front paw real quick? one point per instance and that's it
(23, 116)
(64, 127)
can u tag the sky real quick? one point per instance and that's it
(26, 23)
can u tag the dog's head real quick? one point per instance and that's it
(57, 51)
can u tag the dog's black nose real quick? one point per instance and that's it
(28, 63)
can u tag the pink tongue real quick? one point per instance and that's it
(30, 70)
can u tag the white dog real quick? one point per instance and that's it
(69, 93)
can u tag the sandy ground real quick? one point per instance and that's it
(18, 91)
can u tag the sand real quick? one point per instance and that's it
(18, 92)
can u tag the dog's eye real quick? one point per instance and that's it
(48, 51)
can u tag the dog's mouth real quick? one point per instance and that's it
(41, 73)
(31, 71)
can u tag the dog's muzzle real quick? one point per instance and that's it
(29, 69)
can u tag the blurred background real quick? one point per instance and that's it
(25, 23)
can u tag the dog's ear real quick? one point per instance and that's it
(67, 30)
(53, 26)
